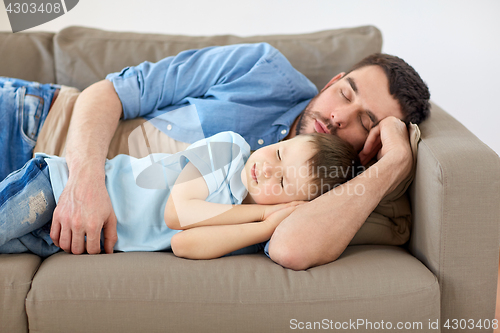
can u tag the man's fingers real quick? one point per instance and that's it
(77, 242)
(371, 147)
(366, 155)
(55, 232)
(93, 243)
(110, 236)
(65, 239)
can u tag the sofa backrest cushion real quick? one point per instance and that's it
(84, 55)
(27, 56)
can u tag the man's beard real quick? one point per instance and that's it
(309, 115)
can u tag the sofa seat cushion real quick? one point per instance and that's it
(150, 292)
(16, 273)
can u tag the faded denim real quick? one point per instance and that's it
(26, 207)
(24, 106)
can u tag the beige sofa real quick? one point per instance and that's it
(445, 269)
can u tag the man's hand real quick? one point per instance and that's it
(371, 147)
(395, 149)
(390, 140)
(84, 208)
(390, 135)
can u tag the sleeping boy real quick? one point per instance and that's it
(213, 199)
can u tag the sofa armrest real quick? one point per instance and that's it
(455, 200)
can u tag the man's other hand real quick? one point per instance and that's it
(83, 210)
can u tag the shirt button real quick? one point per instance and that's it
(169, 127)
(260, 142)
(283, 132)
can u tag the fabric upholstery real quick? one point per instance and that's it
(27, 56)
(455, 200)
(155, 292)
(16, 273)
(84, 56)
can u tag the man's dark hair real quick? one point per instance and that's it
(405, 85)
(333, 163)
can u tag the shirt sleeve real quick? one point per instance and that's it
(266, 249)
(219, 159)
(148, 87)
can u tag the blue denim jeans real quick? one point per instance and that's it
(24, 106)
(26, 206)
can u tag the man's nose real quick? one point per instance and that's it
(342, 117)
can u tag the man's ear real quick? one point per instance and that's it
(332, 81)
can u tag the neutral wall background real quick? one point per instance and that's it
(453, 44)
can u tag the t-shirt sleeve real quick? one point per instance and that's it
(148, 87)
(217, 158)
(266, 249)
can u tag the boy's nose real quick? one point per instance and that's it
(268, 170)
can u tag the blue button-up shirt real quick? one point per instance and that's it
(250, 89)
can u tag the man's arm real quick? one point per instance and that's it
(84, 207)
(317, 233)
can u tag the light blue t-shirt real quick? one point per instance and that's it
(250, 89)
(139, 188)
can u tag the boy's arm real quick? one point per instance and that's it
(209, 242)
(186, 207)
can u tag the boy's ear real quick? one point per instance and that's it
(333, 80)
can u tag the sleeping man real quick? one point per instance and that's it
(250, 89)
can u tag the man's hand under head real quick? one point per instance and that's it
(393, 145)
(371, 147)
(394, 134)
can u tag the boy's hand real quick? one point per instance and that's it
(271, 209)
(277, 217)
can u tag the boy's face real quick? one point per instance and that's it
(279, 173)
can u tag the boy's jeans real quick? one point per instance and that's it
(24, 106)
(26, 207)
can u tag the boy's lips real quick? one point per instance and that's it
(320, 127)
(252, 172)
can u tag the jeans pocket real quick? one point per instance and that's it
(31, 113)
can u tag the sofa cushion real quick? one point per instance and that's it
(16, 273)
(27, 56)
(158, 292)
(84, 55)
